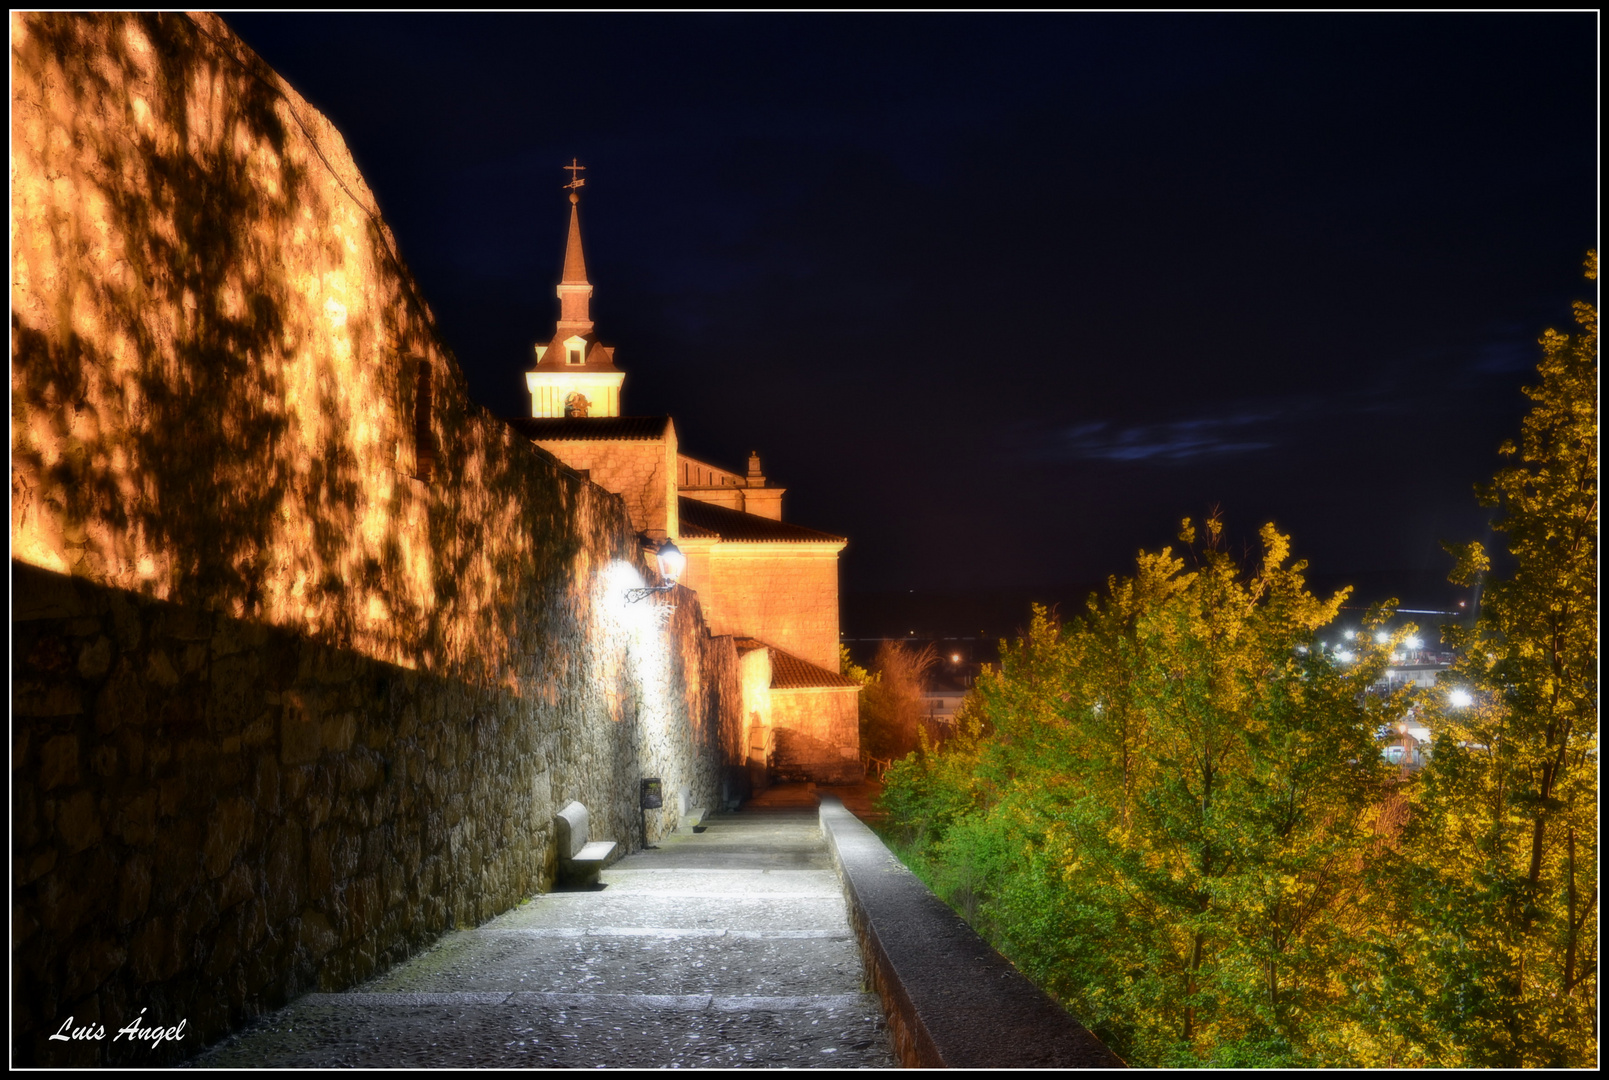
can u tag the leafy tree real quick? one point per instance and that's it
(893, 714)
(1168, 824)
(1499, 882)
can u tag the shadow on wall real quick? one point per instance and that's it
(215, 360)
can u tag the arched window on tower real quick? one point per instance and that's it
(424, 439)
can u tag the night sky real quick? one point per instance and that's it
(1002, 298)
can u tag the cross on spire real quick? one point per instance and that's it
(575, 181)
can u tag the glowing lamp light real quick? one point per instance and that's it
(671, 564)
(1381, 638)
(955, 658)
(1460, 699)
(1350, 634)
(1414, 643)
(1344, 655)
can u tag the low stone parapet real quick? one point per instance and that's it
(952, 1001)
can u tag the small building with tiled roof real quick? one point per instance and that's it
(771, 584)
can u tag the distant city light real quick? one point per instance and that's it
(1460, 699)
(1396, 658)
(1302, 649)
(1345, 655)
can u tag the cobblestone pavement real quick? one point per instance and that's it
(730, 947)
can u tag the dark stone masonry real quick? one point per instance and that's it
(211, 816)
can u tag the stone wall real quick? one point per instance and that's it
(641, 470)
(816, 734)
(307, 647)
(784, 594)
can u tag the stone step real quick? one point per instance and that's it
(728, 963)
(563, 1030)
(821, 911)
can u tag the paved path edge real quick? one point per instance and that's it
(951, 1000)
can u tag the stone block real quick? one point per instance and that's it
(265, 785)
(237, 886)
(34, 698)
(315, 936)
(90, 963)
(79, 822)
(58, 762)
(133, 889)
(338, 732)
(95, 659)
(159, 669)
(121, 700)
(227, 831)
(125, 620)
(153, 952)
(103, 760)
(136, 819)
(300, 738)
(286, 873)
(35, 868)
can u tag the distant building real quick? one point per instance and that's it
(771, 584)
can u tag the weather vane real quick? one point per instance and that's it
(575, 181)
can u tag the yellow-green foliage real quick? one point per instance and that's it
(1497, 891)
(1172, 812)
(1169, 825)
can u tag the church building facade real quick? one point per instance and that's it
(770, 584)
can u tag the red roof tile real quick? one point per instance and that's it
(788, 672)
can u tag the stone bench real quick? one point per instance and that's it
(579, 860)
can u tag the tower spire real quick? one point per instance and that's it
(575, 291)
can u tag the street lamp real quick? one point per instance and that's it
(671, 564)
(1460, 699)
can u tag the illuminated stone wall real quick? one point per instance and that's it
(641, 470)
(816, 734)
(283, 710)
(784, 594)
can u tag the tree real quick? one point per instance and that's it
(1168, 824)
(1500, 878)
(893, 714)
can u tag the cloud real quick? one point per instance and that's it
(1179, 440)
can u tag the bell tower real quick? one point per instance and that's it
(575, 375)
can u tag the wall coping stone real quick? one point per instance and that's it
(952, 1001)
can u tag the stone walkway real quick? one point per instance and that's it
(730, 947)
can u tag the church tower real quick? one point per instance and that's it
(575, 375)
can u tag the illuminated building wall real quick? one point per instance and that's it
(757, 577)
(783, 594)
(307, 647)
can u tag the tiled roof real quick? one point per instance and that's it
(690, 531)
(598, 357)
(735, 525)
(788, 672)
(575, 428)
